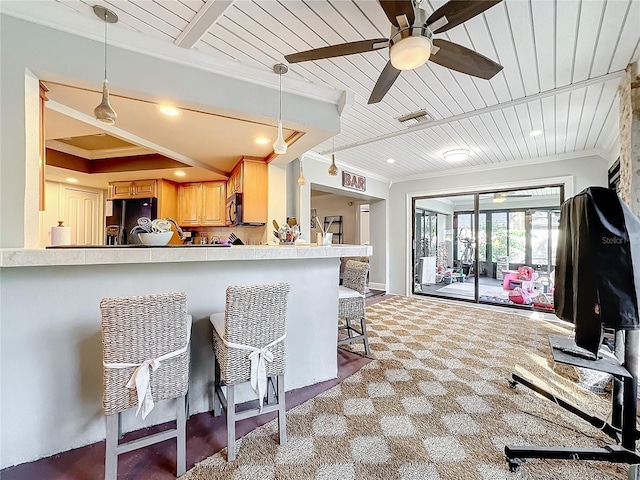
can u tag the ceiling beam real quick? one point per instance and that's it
(206, 18)
(481, 111)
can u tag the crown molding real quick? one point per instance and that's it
(58, 17)
(595, 152)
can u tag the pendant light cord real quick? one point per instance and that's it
(105, 46)
(280, 78)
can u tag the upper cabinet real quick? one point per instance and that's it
(201, 204)
(250, 177)
(133, 189)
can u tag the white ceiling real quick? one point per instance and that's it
(561, 61)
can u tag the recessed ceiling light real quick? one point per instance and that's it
(179, 173)
(169, 111)
(71, 180)
(390, 160)
(261, 140)
(457, 155)
(535, 133)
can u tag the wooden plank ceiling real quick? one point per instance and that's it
(543, 45)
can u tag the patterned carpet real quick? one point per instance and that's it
(433, 404)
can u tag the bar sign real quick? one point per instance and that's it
(351, 180)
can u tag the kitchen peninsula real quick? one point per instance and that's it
(51, 327)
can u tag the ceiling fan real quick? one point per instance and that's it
(502, 196)
(411, 42)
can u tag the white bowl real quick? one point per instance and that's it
(155, 239)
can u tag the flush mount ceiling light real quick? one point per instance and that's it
(333, 170)
(535, 133)
(168, 110)
(390, 160)
(104, 112)
(280, 146)
(457, 155)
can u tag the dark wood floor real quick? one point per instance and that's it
(205, 436)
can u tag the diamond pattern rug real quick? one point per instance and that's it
(433, 404)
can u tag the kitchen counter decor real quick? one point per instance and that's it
(286, 234)
(156, 232)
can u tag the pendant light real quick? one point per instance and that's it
(301, 179)
(333, 170)
(104, 112)
(280, 146)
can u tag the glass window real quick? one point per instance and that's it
(516, 237)
(499, 234)
(540, 238)
(555, 222)
(482, 240)
(465, 238)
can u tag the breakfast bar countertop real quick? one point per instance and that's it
(104, 255)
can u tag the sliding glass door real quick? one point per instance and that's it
(486, 246)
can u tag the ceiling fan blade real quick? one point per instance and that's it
(386, 79)
(463, 60)
(459, 11)
(394, 8)
(338, 50)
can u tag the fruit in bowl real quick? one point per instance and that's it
(155, 239)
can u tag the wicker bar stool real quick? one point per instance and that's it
(145, 351)
(351, 303)
(248, 341)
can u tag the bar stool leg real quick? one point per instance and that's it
(282, 411)
(111, 455)
(181, 437)
(217, 406)
(231, 424)
(349, 329)
(363, 325)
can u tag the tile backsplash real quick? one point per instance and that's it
(249, 235)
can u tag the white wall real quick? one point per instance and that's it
(377, 193)
(578, 173)
(347, 207)
(58, 56)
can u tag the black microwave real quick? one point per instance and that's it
(234, 211)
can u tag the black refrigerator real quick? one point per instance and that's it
(125, 215)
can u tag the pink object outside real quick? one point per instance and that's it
(507, 278)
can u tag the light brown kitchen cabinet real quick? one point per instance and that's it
(201, 204)
(144, 189)
(213, 203)
(250, 177)
(133, 189)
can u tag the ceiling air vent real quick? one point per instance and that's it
(421, 116)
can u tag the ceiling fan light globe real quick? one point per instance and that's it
(410, 52)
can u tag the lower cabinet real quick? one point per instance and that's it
(201, 204)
